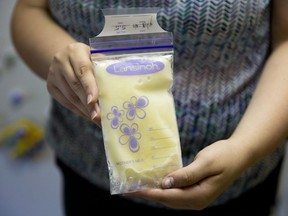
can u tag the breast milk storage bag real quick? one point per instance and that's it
(133, 59)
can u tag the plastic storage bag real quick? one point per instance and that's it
(133, 60)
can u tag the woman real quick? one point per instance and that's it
(230, 85)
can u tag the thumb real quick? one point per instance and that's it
(185, 176)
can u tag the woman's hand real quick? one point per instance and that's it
(71, 81)
(195, 186)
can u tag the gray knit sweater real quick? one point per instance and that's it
(220, 49)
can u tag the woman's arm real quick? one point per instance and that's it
(36, 36)
(56, 57)
(265, 123)
(263, 127)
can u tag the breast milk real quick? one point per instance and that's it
(138, 120)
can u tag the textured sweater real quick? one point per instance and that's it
(220, 50)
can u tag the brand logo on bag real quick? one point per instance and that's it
(135, 67)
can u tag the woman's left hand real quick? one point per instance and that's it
(195, 186)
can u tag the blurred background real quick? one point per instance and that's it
(30, 184)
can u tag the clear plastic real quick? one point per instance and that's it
(134, 75)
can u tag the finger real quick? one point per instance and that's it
(57, 95)
(77, 95)
(98, 119)
(62, 71)
(175, 197)
(189, 175)
(95, 113)
(75, 84)
(74, 99)
(83, 67)
(65, 91)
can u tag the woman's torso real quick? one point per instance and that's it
(220, 49)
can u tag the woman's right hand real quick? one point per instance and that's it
(71, 81)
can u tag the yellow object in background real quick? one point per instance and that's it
(21, 137)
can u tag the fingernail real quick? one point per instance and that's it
(168, 182)
(89, 98)
(93, 114)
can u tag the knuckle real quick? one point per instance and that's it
(72, 46)
(76, 85)
(58, 57)
(75, 46)
(51, 71)
(83, 69)
(76, 100)
(188, 178)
